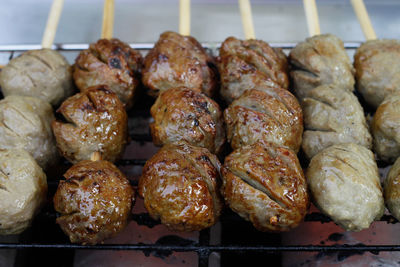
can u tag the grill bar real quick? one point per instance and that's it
(210, 248)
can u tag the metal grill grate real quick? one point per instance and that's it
(203, 247)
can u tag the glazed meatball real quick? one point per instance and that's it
(95, 121)
(25, 123)
(333, 115)
(319, 60)
(178, 60)
(392, 190)
(272, 115)
(43, 73)
(265, 185)
(23, 190)
(112, 63)
(386, 128)
(183, 114)
(249, 64)
(180, 186)
(377, 64)
(94, 201)
(344, 183)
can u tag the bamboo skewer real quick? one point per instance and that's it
(311, 11)
(363, 19)
(52, 23)
(247, 19)
(184, 17)
(108, 19)
(96, 156)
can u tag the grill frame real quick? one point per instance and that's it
(203, 247)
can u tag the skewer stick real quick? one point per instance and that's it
(184, 17)
(363, 19)
(108, 19)
(52, 23)
(310, 9)
(247, 19)
(96, 156)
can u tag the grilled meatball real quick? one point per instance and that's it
(95, 121)
(94, 201)
(272, 115)
(183, 114)
(23, 190)
(392, 190)
(333, 115)
(178, 60)
(250, 64)
(344, 183)
(180, 186)
(43, 73)
(320, 60)
(386, 128)
(266, 185)
(377, 64)
(112, 63)
(25, 123)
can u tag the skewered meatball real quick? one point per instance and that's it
(272, 115)
(266, 185)
(392, 190)
(94, 201)
(43, 73)
(112, 63)
(183, 114)
(320, 60)
(96, 121)
(386, 128)
(344, 182)
(23, 190)
(333, 115)
(176, 61)
(250, 64)
(180, 186)
(377, 64)
(25, 123)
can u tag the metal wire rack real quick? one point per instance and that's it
(45, 234)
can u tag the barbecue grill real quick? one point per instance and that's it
(239, 242)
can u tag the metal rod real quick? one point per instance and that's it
(140, 46)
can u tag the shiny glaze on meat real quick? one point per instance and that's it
(377, 64)
(112, 63)
(178, 60)
(180, 186)
(94, 201)
(249, 64)
(272, 115)
(183, 114)
(95, 121)
(319, 60)
(266, 185)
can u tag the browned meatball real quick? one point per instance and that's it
(178, 60)
(96, 121)
(112, 63)
(95, 201)
(183, 114)
(250, 64)
(272, 115)
(180, 186)
(266, 185)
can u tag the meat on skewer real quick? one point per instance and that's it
(112, 63)
(179, 61)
